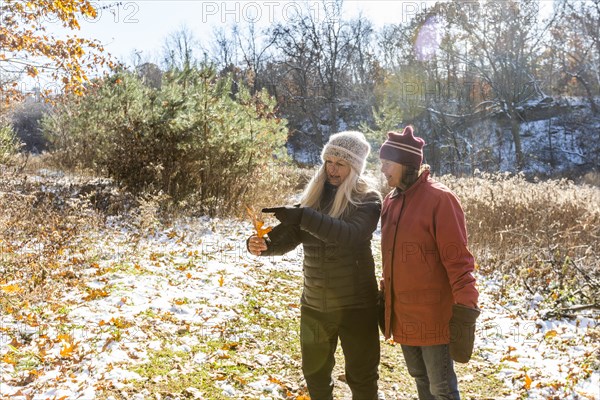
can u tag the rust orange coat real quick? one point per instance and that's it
(427, 266)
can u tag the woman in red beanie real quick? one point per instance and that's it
(429, 289)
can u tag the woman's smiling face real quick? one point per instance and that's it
(393, 172)
(337, 170)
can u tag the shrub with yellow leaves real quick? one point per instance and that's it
(25, 37)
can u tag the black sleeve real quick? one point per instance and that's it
(356, 229)
(282, 238)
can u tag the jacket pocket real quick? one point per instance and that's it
(429, 296)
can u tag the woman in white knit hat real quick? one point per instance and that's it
(334, 222)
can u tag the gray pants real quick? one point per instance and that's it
(433, 371)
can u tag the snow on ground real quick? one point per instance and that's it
(550, 358)
(143, 290)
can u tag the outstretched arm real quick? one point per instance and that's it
(355, 230)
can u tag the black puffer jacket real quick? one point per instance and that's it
(339, 271)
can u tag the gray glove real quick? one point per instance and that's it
(462, 332)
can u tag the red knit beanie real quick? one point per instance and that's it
(403, 148)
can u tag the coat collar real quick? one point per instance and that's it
(422, 178)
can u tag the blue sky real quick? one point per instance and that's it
(128, 27)
(144, 25)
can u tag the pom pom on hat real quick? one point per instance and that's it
(351, 146)
(403, 148)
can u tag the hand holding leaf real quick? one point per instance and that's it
(258, 223)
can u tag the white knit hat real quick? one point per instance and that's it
(350, 146)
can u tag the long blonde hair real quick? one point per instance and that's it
(353, 190)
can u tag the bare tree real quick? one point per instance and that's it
(317, 50)
(255, 48)
(298, 87)
(364, 70)
(178, 50)
(576, 46)
(461, 62)
(506, 38)
(222, 51)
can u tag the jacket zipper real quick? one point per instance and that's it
(323, 249)
(392, 262)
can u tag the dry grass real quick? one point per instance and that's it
(45, 223)
(544, 234)
(274, 186)
(41, 225)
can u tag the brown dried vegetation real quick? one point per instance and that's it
(543, 235)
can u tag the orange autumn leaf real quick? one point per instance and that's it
(11, 289)
(9, 358)
(241, 380)
(258, 223)
(528, 381)
(64, 337)
(120, 323)
(68, 345)
(67, 350)
(94, 294)
(230, 346)
(550, 334)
